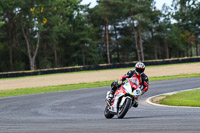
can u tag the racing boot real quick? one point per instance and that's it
(136, 102)
(109, 97)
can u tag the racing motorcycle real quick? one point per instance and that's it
(124, 98)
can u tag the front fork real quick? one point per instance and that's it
(124, 98)
(134, 99)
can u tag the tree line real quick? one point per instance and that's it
(42, 34)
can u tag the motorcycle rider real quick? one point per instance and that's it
(139, 73)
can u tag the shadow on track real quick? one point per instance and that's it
(153, 116)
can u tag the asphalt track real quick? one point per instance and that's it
(81, 111)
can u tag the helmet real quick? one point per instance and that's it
(139, 67)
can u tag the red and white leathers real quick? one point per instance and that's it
(143, 81)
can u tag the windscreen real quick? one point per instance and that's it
(134, 80)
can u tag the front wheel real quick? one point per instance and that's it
(124, 108)
(107, 113)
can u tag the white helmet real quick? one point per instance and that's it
(139, 67)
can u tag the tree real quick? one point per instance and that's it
(1, 22)
(59, 14)
(39, 16)
(138, 11)
(166, 28)
(8, 14)
(154, 16)
(83, 39)
(186, 15)
(103, 10)
(46, 33)
(32, 22)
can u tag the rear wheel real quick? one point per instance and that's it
(124, 108)
(107, 113)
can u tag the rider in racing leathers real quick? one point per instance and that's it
(139, 73)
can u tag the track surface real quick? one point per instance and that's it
(82, 111)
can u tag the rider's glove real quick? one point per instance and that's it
(141, 88)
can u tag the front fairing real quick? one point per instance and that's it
(127, 87)
(119, 96)
(125, 91)
(133, 86)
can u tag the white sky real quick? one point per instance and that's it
(159, 3)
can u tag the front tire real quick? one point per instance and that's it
(107, 113)
(124, 109)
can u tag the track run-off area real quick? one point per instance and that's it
(81, 111)
(95, 76)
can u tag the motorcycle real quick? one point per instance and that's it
(124, 98)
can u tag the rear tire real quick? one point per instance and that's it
(124, 109)
(107, 113)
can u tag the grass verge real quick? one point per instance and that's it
(24, 91)
(186, 98)
(174, 77)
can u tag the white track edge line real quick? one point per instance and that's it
(169, 93)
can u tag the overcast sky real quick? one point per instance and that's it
(159, 3)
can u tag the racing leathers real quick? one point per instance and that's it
(143, 81)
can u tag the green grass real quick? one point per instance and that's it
(186, 98)
(174, 77)
(24, 91)
(128, 68)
